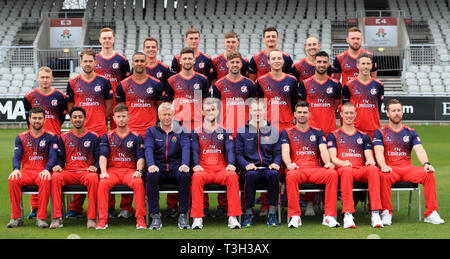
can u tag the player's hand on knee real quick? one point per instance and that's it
(428, 168)
(274, 166)
(184, 169)
(45, 175)
(104, 175)
(329, 165)
(92, 169)
(370, 162)
(251, 167)
(292, 166)
(230, 168)
(153, 169)
(197, 168)
(15, 175)
(386, 169)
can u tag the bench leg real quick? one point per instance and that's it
(398, 201)
(409, 205)
(419, 198)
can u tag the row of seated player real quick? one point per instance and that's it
(259, 151)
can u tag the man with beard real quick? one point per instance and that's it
(345, 63)
(78, 151)
(36, 151)
(393, 144)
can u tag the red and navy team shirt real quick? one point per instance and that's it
(304, 146)
(122, 152)
(303, 70)
(91, 95)
(141, 99)
(115, 68)
(367, 99)
(202, 65)
(221, 69)
(54, 105)
(397, 144)
(212, 149)
(35, 152)
(345, 64)
(321, 98)
(350, 147)
(259, 64)
(78, 152)
(233, 96)
(281, 97)
(187, 95)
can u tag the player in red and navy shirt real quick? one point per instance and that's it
(345, 63)
(351, 152)
(92, 92)
(305, 68)
(111, 64)
(78, 151)
(280, 91)
(202, 62)
(304, 150)
(323, 95)
(231, 43)
(233, 90)
(259, 63)
(213, 161)
(142, 94)
(393, 144)
(50, 99)
(187, 89)
(155, 67)
(36, 150)
(366, 94)
(121, 162)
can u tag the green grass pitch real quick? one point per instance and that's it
(436, 141)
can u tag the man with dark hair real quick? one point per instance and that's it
(78, 154)
(323, 94)
(36, 151)
(259, 63)
(303, 151)
(366, 94)
(155, 67)
(393, 144)
(202, 62)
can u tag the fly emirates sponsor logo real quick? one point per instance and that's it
(351, 153)
(89, 102)
(212, 149)
(365, 104)
(397, 152)
(320, 103)
(121, 157)
(305, 151)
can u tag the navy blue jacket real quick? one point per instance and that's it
(261, 147)
(167, 150)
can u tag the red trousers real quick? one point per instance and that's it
(414, 174)
(29, 177)
(120, 176)
(222, 177)
(89, 179)
(366, 174)
(316, 175)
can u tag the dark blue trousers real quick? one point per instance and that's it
(269, 176)
(183, 180)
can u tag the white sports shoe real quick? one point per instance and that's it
(330, 222)
(310, 209)
(295, 222)
(434, 218)
(386, 218)
(348, 221)
(125, 214)
(198, 223)
(233, 223)
(376, 220)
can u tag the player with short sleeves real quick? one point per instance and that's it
(323, 95)
(259, 63)
(36, 151)
(366, 94)
(202, 62)
(111, 64)
(78, 151)
(393, 144)
(304, 152)
(351, 153)
(213, 161)
(305, 67)
(121, 162)
(142, 94)
(280, 91)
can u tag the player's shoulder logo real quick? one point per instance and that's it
(201, 65)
